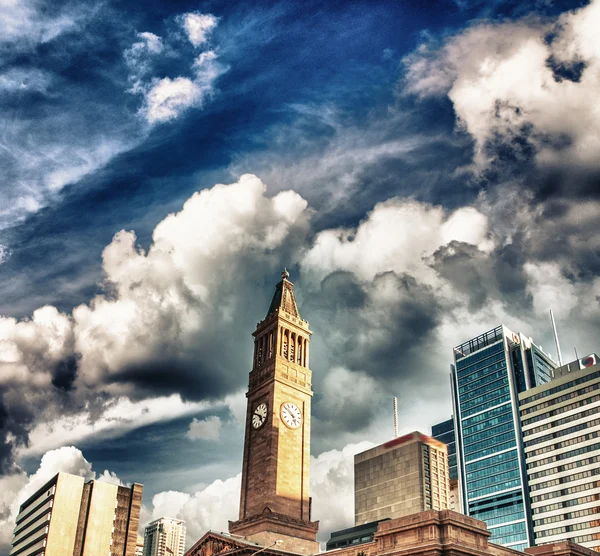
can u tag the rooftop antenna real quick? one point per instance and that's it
(560, 362)
(395, 417)
(575, 350)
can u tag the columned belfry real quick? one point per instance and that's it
(275, 501)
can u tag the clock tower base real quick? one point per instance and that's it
(297, 535)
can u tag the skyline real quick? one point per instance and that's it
(424, 173)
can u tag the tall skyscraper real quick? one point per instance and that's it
(164, 537)
(68, 517)
(274, 502)
(489, 372)
(406, 475)
(444, 432)
(561, 430)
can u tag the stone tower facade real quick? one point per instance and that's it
(275, 501)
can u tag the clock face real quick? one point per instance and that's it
(259, 415)
(291, 415)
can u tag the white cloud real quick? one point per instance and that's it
(167, 98)
(205, 429)
(500, 79)
(198, 26)
(332, 489)
(398, 235)
(16, 488)
(118, 416)
(27, 21)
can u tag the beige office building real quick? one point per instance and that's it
(405, 476)
(561, 433)
(165, 537)
(68, 517)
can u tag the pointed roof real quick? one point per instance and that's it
(284, 298)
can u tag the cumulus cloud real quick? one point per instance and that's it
(520, 83)
(197, 26)
(332, 490)
(157, 332)
(16, 488)
(165, 98)
(205, 429)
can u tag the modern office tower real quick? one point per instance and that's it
(444, 432)
(561, 431)
(407, 475)
(165, 537)
(70, 517)
(489, 372)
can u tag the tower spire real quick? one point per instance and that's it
(284, 299)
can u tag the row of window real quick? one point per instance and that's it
(503, 416)
(483, 417)
(586, 538)
(513, 483)
(476, 357)
(564, 443)
(560, 410)
(490, 434)
(509, 465)
(562, 421)
(567, 529)
(567, 503)
(560, 388)
(566, 467)
(564, 432)
(485, 376)
(493, 449)
(565, 455)
(478, 369)
(492, 480)
(565, 491)
(569, 515)
(491, 461)
(494, 397)
(562, 398)
(569, 479)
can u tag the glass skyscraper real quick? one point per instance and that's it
(489, 372)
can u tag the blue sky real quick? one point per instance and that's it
(425, 170)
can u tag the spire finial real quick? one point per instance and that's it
(285, 274)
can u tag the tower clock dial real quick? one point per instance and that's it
(259, 415)
(291, 415)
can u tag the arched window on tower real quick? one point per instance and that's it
(285, 344)
(292, 342)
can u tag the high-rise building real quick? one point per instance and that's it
(68, 517)
(561, 431)
(164, 537)
(406, 475)
(444, 432)
(139, 547)
(274, 500)
(489, 372)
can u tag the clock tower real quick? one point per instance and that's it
(274, 501)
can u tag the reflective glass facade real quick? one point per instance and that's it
(488, 373)
(444, 432)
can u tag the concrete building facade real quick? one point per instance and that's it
(561, 432)
(68, 517)
(164, 537)
(488, 374)
(407, 475)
